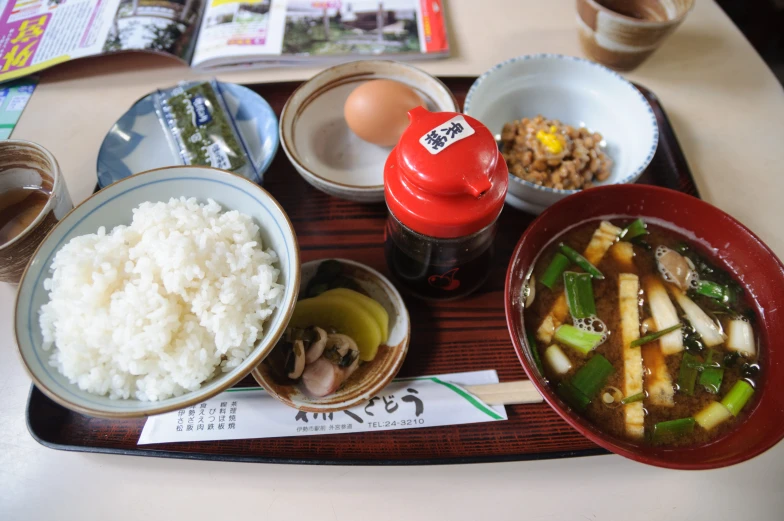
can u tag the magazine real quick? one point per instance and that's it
(209, 34)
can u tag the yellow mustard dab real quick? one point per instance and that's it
(550, 140)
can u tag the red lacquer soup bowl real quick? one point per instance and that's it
(735, 248)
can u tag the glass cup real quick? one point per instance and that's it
(33, 198)
(621, 34)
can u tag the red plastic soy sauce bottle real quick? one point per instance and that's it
(444, 185)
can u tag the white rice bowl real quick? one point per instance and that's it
(154, 309)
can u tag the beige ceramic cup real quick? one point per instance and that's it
(23, 165)
(621, 34)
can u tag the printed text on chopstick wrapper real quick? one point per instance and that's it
(203, 417)
(446, 134)
(252, 413)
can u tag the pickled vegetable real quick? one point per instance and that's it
(380, 314)
(344, 315)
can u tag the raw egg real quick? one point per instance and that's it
(377, 111)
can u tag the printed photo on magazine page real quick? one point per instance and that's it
(235, 31)
(168, 26)
(351, 27)
(37, 34)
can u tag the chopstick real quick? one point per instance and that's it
(506, 393)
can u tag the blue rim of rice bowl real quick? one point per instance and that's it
(546, 56)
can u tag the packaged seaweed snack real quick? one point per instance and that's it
(200, 129)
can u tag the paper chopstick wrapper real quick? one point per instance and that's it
(406, 403)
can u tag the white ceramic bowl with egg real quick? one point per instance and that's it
(577, 92)
(318, 142)
(113, 206)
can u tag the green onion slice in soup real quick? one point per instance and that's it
(688, 373)
(738, 396)
(579, 294)
(578, 339)
(713, 373)
(636, 229)
(581, 261)
(654, 336)
(673, 428)
(554, 270)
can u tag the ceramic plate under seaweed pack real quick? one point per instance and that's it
(137, 143)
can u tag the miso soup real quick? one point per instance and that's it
(640, 332)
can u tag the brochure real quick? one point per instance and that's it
(209, 34)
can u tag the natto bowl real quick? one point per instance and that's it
(735, 248)
(111, 207)
(577, 92)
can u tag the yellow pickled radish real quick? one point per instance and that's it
(345, 315)
(371, 306)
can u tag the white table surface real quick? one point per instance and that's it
(728, 111)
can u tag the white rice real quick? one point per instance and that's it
(154, 309)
